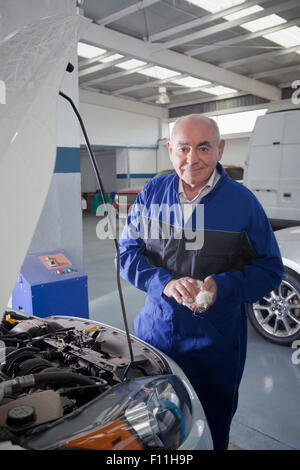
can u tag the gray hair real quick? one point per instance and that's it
(210, 120)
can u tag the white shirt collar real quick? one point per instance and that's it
(209, 184)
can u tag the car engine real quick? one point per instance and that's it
(52, 367)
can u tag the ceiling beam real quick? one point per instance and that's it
(202, 20)
(115, 75)
(97, 68)
(204, 33)
(207, 100)
(85, 62)
(127, 45)
(241, 38)
(108, 94)
(177, 92)
(258, 57)
(148, 84)
(285, 85)
(125, 12)
(269, 73)
(93, 97)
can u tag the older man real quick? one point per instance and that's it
(239, 261)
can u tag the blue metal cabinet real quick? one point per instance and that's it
(51, 284)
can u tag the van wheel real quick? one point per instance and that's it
(277, 315)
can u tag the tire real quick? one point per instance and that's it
(276, 316)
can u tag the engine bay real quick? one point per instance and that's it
(52, 367)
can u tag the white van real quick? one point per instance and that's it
(272, 167)
(272, 173)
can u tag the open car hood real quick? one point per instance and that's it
(33, 60)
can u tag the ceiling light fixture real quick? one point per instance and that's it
(263, 23)
(111, 58)
(159, 72)
(89, 52)
(216, 5)
(162, 97)
(190, 82)
(219, 90)
(131, 64)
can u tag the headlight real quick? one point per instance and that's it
(147, 413)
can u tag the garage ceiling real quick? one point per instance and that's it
(199, 50)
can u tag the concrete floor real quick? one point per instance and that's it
(268, 415)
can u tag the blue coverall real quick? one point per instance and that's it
(240, 252)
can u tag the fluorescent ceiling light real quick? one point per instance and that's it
(111, 57)
(219, 90)
(287, 37)
(159, 72)
(190, 82)
(88, 51)
(215, 5)
(244, 12)
(263, 23)
(131, 64)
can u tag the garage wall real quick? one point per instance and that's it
(106, 126)
(106, 161)
(163, 159)
(133, 129)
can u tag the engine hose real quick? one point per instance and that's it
(62, 377)
(12, 340)
(19, 351)
(33, 380)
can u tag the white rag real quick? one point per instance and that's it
(203, 298)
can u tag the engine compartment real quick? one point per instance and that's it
(52, 367)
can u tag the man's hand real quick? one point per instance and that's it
(185, 288)
(210, 285)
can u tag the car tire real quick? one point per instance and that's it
(276, 316)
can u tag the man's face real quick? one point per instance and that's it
(194, 150)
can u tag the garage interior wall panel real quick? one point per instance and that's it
(60, 223)
(163, 159)
(107, 126)
(106, 161)
(122, 172)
